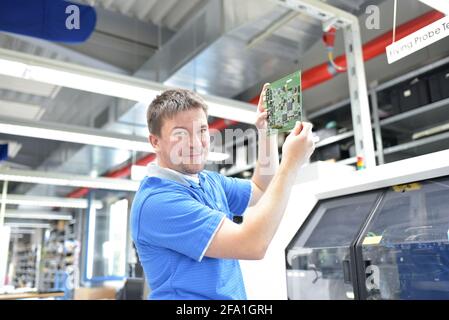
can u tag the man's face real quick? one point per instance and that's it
(183, 144)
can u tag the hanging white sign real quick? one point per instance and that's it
(418, 40)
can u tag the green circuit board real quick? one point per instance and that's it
(283, 103)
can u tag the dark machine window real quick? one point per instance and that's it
(338, 225)
(318, 257)
(405, 247)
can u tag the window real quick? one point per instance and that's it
(107, 242)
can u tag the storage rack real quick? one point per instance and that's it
(59, 255)
(385, 130)
(401, 125)
(25, 257)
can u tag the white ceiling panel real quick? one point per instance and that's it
(27, 86)
(20, 110)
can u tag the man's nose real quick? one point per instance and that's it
(196, 141)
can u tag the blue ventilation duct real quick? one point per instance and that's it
(53, 20)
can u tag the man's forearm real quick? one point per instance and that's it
(262, 225)
(267, 160)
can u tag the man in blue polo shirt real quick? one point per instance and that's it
(182, 215)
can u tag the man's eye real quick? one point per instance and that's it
(180, 133)
(203, 130)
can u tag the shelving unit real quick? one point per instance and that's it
(334, 139)
(419, 118)
(59, 256)
(395, 135)
(426, 145)
(402, 126)
(25, 266)
(348, 161)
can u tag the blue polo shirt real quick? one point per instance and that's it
(173, 221)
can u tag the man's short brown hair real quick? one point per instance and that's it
(169, 103)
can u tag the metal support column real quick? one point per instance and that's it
(3, 204)
(361, 118)
(5, 232)
(376, 122)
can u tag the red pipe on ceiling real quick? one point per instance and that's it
(309, 79)
(320, 73)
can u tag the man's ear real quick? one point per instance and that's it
(154, 141)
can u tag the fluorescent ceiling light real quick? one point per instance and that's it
(29, 87)
(20, 110)
(26, 66)
(39, 215)
(18, 199)
(440, 5)
(13, 69)
(111, 87)
(27, 225)
(69, 180)
(74, 134)
(21, 231)
(231, 109)
(88, 136)
(29, 67)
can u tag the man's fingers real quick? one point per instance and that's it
(307, 128)
(261, 106)
(263, 115)
(261, 122)
(298, 128)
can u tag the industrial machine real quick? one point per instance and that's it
(379, 233)
(390, 242)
